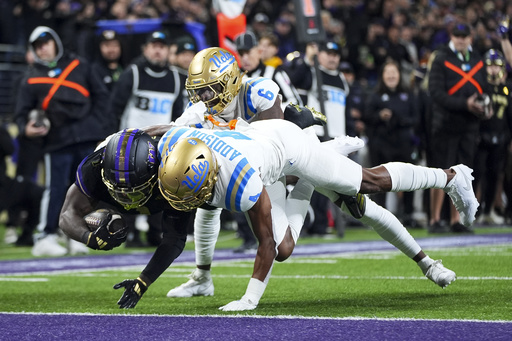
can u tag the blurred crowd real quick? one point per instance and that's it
(369, 31)
(374, 66)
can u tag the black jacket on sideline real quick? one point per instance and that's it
(75, 116)
(449, 111)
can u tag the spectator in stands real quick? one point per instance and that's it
(250, 61)
(391, 116)
(284, 30)
(495, 133)
(148, 92)
(269, 47)
(108, 64)
(64, 88)
(326, 90)
(260, 24)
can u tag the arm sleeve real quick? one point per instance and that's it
(174, 238)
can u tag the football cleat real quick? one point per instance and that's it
(318, 117)
(304, 116)
(196, 286)
(440, 275)
(461, 192)
(10, 236)
(77, 248)
(48, 246)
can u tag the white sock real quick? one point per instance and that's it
(297, 204)
(425, 263)
(408, 177)
(206, 232)
(389, 228)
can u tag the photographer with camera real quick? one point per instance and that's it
(457, 84)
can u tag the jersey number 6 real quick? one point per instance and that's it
(267, 94)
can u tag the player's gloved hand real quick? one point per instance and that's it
(243, 304)
(133, 291)
(503, 28)
(103, 239)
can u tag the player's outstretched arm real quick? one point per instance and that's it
(261, 222)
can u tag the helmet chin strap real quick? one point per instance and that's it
(231, 124)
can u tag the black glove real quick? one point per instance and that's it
(103, 239)
(134, 289)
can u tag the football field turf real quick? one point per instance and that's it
(359, 289)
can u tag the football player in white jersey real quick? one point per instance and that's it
(221, 96)
(243, 171)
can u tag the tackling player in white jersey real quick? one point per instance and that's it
(222, 95)
(243, 171)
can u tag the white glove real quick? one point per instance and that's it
(241, 305)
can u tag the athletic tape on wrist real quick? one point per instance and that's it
(255, 290)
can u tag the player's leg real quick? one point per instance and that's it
(391, 229)
(399, 176)
(206, 232)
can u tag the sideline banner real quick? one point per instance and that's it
(228, 29)
(230, 8)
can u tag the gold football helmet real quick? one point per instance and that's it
(187, 174)
(214, 78)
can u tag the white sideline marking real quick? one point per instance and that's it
(7, 279)
(286, 317)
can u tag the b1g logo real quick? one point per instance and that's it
(223, 61)
(154, 105)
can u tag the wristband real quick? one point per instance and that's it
(86, 237)
(255, 290)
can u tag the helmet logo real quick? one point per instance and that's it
(151, 153)
(223, 61)
(201, 173)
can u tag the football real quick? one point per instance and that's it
(97, 218)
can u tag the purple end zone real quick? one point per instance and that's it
(141, 259)
(108, 327)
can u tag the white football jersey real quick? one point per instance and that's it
(257, 155)
(255, 95)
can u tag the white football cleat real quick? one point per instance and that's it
(77, 248)
(196, 286)
(48, 246)
(461, 192)
(440, 275)
(10, 236)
